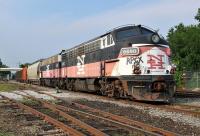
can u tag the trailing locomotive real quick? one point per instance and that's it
(130, 61)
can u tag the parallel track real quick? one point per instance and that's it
(179, 108)
(65, 128)
(120, 120)
(188, 94)
(90, 130)
(44, 128)
(189, 110)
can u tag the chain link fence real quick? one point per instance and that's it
(191, 80)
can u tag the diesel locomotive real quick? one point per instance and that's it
(131, 61)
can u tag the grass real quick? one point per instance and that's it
(30, 102)
(8, 87)
(6, 134)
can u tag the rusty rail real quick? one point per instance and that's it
(127, 121)
(120, 119)
(187, 109)
(187, 93)
(47, 118)
(93, 131)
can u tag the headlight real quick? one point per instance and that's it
(155, 38)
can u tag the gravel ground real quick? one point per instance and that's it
(12, 95)
(35, 94)
(15, 122)
(156, 118)
(177, 117)
(176, 122)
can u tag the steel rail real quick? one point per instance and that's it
(187, 93)
(187, 106)
(93, 131)
(47, 118)
(189, 109)
(127, 121)
(130, 127)
(121, 119)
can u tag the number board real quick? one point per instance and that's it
(130, 51)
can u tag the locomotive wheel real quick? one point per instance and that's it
(110, 89)
(70, 85)
(102, 90)
(116, 93)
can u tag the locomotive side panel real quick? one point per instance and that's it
(50, 71)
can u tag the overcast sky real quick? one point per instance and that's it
(34, 29)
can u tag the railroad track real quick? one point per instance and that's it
(179, 108)
(188, 94)
(120, 121)
(67, 126)
(49, 127)
(187, 109)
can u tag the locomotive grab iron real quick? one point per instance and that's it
(129, 61)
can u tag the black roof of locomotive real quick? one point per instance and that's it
(123, 27)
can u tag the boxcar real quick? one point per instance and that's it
(21, 75)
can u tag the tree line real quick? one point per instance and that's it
(3, 73)
(184, 42)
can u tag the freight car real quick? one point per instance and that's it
(33, 73)
(129, 61)
(21, 76)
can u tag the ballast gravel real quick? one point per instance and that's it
(154, 117)
(177, 117)
(12, 95)
(35, 94)
(15, 96)
(172, 121)
(176, 122)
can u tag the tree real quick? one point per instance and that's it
(3, 73)
(24, 65)
(197, 17)
(1, 63)
(185, 45)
